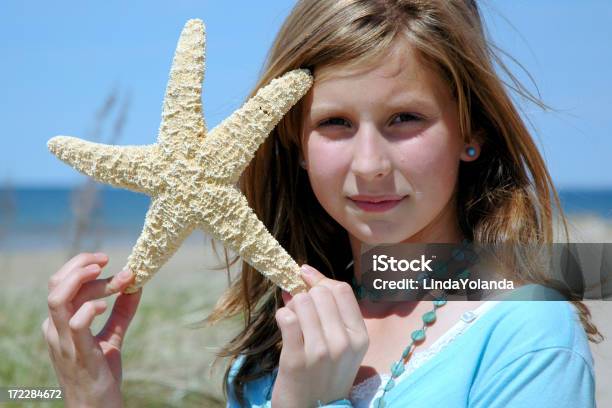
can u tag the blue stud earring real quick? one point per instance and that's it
(471, 151)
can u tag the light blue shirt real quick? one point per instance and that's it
(518, 354)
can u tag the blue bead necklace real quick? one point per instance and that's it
(417, 336)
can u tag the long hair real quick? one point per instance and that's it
(507, 195)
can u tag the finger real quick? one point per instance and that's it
(313, 277)
(343, 293)
(349, 310)
(50, 336)
(286, 297)
(315, 345)
(44, 327)
(79, 326)
(334, 329)
(293, 342)
(115, 329)
(59, 300)
(50, 333)
(101, 288)
(78, 261)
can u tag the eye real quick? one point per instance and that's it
(334, 122)
(407, 117)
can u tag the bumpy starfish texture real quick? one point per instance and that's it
(191, 174)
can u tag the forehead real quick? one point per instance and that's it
(401, 68)
(387, 62)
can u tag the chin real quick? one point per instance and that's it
(380, 234)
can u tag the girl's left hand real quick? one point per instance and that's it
(324, 342)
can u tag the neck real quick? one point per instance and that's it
(444, 229)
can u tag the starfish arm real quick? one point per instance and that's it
(230, 146)
(165, 229)
(183, 127)
(226, 215)
(131, 167)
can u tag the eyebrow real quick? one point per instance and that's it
(401, 102)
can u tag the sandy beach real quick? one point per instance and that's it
(166, 360)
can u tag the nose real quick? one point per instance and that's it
(370, 160)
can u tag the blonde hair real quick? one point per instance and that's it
(507, 195)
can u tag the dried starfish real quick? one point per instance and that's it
(191, 174)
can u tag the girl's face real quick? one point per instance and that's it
(382, 149)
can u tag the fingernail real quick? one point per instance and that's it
(93, 268)
(307, 270)
(100, 255)
(125, 274)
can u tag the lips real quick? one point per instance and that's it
(376, 199)
(376, 203)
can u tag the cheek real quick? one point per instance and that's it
(327, 165)
(327, 160)
(324, 167)
(431, 162)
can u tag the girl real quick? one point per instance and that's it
(408, 135)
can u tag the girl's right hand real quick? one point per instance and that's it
(324, 342)
(88, 367)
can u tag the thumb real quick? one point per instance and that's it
(311, 276)
(124, 310)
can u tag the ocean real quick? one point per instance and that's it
(34, 217)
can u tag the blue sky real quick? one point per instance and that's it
(61, 59)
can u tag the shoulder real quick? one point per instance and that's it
(256, 392)
(545, 322)
(517, 328)
(236, 364)
(533, 353)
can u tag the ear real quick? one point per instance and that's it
(471, 149)
(470, 152)
(302, 162)
(302, 154)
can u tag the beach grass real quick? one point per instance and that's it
(165, 360)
